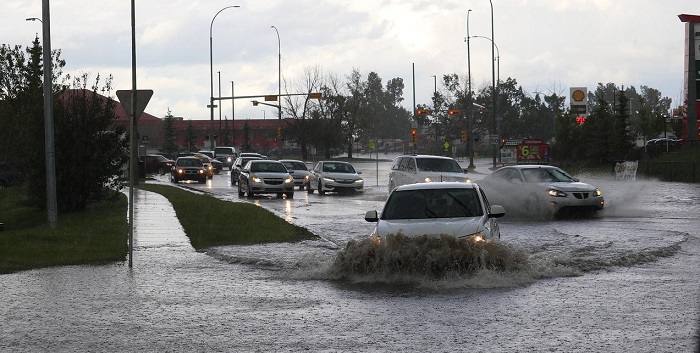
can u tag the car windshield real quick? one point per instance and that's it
(268, 167)
(189, 162)
(432, 203)
(438, 165)
(161, 158)
(542, 175)
(338, 168)
(295, 165)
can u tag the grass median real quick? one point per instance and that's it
(97, 235)
(208, 221)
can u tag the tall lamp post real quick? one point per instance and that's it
(51, 203)
(493, 88)
(470, 138)
(279, 74)
(211, 78)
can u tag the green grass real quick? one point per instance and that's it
(208, 221)
(97, 235)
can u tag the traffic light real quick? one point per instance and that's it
(503, 141)
(279, 132)
(413, 136)
(422, 112)
(454, 112)
(464, 136)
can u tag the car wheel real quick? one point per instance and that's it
(290, 195)
(320, 190)
(240, 192)
(279, 195)
(161, 171)
(248, 193)
(391, 186)
(202, 181)
(173, 180)
(309, 189)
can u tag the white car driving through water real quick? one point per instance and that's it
(540, 191)
(453, 208)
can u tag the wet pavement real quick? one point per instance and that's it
(282, 298)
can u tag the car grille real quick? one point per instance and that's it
(581, 195)
(345, 181)
(270, 181)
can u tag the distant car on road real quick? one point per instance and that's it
(541, 191)
(211, 165)
(299, 171)
(334, 176)
(453, 208)
(262, 176)
(409, 169)
(188, 168)
(240, 162)
(9, 175)
(226, 155)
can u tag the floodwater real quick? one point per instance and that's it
(625, 280)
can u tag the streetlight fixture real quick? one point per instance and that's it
(211, 78)
(434, 83)
(51, 203)
(498, 59)
(279, 73)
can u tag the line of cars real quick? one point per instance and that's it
(430, 195)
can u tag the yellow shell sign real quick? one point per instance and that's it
(578, 95)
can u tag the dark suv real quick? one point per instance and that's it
(188, 168)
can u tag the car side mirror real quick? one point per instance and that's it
(360, 172)
(497, 211)
(371, 216)
(465, 170)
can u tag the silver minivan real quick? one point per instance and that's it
(421, 168)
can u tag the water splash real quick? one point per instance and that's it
(398, 257)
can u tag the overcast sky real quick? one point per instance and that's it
(546, 45)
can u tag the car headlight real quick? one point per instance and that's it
(289, 180)
(478, 236)
(328, 179)
(597, 192)
(556, 193)
(256, 179)
(428, 180)
(228, 160)
(306, 177)
(180, 171)
(201, 171)
(359, 181)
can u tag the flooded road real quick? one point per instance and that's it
(623, 281)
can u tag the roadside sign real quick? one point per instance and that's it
(271, 98)
(142, 98)
(446, 145)
(493, 139)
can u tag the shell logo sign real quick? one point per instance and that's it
(578, 101)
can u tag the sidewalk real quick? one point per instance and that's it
(155, 223)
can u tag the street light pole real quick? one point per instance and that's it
(434, 83)
(51, 203)
(279, 74)
(233, 117)
(470, 137)
(493, 88)
(219, 73)
(211, 78)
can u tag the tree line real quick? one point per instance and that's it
(355, 110)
